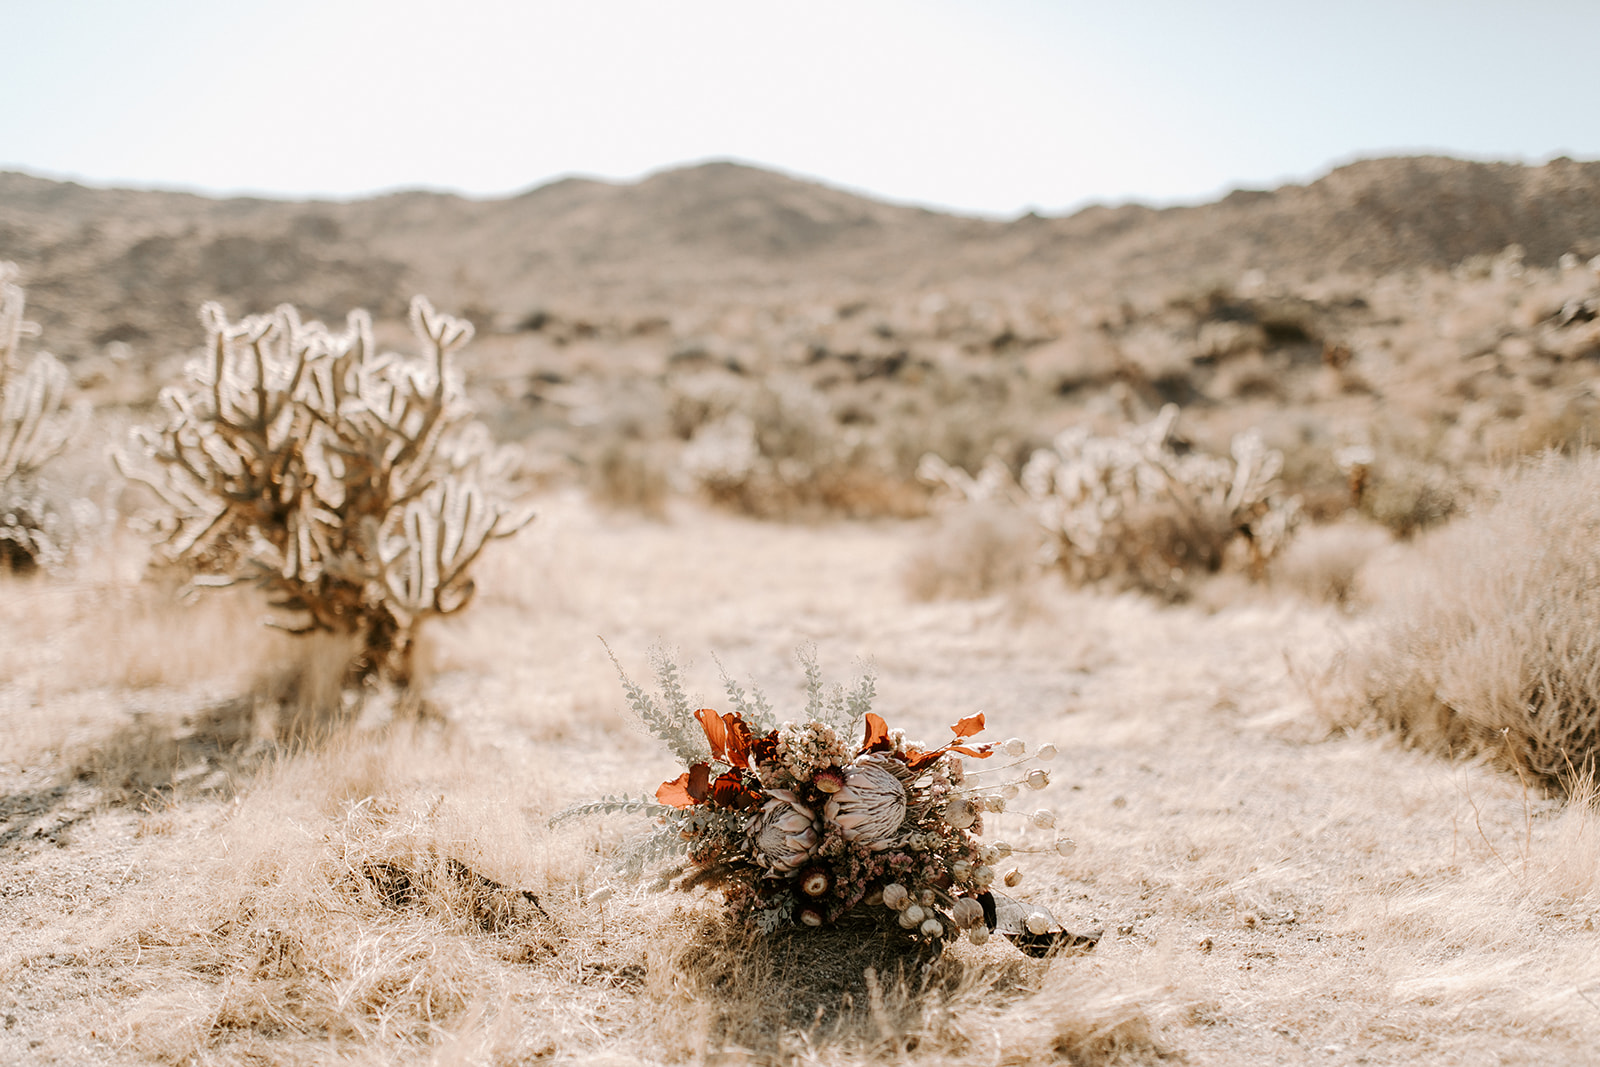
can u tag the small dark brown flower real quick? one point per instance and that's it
(815, 881)
(810, 917)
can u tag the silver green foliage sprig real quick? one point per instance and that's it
(668, 715)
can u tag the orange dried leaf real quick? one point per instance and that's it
(730, 791)
(967, 727)
(675, 794)
(700, 781)
(981, 752)
(739, 739)
(716, 733)
(877, 735)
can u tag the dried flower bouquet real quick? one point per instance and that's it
(795, 824)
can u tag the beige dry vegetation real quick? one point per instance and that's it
(1265, 894)
(214, 854)
(1487, 642)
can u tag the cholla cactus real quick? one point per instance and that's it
(32, 431)
(1134, 508)
(1135, 504)
(350, 484)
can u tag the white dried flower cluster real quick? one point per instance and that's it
(809, 747)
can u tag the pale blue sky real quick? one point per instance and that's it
(993, 107)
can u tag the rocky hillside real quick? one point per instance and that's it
(105, 265)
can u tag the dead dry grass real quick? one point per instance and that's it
(1488, 644)
(395, 895)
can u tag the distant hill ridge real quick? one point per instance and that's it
(116, 264)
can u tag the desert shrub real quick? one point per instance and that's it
(1135, 511)
(782, 453)
(629, 474)
(1490, 644)
(1324, 563)
(354, 487)
(977, 550)
(33, 430)
(1406, 495)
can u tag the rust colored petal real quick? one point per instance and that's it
(877, 735)
(716, 733)
(740, 739)
(967, 727)
(675, 794)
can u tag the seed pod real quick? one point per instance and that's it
(932, 927)
(1013, 878)
(978, 934)
(913, 915)
(1046, 752)
(960, 814)
(909, 923)
(966, 913)
(1043, 819)
(1037, 778)
(1038, 923)
(1066, 846)
(896, 896)
(1015, 746)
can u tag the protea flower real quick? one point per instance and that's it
(783, 833)
(870, 807)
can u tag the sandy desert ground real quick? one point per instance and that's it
(178, 886)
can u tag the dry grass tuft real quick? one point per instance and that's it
(976, 550)
(1324, 563)
(1491, 645)
(629, 475)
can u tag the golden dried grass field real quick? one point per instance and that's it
(1268, 892)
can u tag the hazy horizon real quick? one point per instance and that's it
(994, 110)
